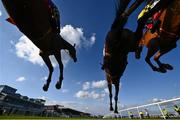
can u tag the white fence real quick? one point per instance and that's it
(153, 109)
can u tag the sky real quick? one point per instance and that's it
(84, 22)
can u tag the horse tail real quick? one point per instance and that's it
(120, 7)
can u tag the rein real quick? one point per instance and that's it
(169, 33)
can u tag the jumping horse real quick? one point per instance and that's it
(165, 38)
(32, 18)
(118, 43)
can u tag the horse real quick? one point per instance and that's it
(118, 43)
(32, 19)
(157, 5)
(165, 38)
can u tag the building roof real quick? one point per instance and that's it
(7, 89)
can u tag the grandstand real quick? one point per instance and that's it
(61, 111)
(12, 103)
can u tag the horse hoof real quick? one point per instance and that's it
(162, 70)
(45, 88)
(58, 85)
(116, 111)
(111, 109)
(155, 69)
(168, 67)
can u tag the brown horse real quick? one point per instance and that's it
(118, 43)
(33, 19)
(165, 38)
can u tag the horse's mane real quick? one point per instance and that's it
(120, 7)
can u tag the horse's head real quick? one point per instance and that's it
(72, 53)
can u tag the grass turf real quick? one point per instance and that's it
(58, 118)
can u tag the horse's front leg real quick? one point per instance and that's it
(58, 58)
(50, 67)
(162, 66)
(116, 96)
(110, 96)
(151, 51)
(110, 91)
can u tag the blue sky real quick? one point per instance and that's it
(84, 86)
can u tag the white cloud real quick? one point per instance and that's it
(27, 50)
(95, 95)
(99, 84)
(76, 35)
(64, 90)
(82, 94)
(78, 83)
(20, 79)
(91, 95)
(0, 13)
(86, 86)
(90, 42)
(44, 78)
(106, 90)
(156, 100)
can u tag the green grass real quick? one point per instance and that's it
(58, 118)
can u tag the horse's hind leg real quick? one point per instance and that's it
(162, 66)
(58, 58)
(110, 92)
(50, 67)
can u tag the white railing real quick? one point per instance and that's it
(148, 105)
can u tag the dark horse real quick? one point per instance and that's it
(33, 19)
(118, 43)
(165, 38)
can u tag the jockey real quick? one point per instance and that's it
(131, 116)
(153, 22)
(161, 5)
(54, 16)
(166, 113)
(177, 109)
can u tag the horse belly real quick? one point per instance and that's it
(31, 17)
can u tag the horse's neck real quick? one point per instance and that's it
(119, 41)
(67, 46)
